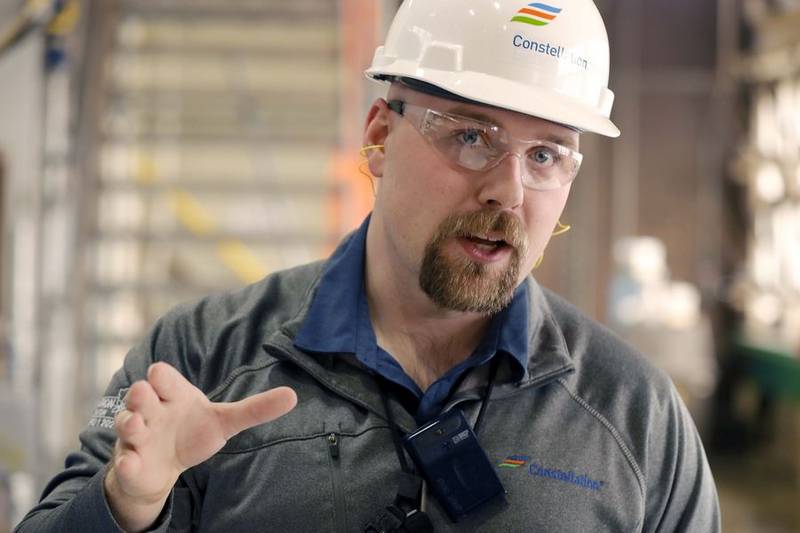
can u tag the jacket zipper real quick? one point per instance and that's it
(340, 513)
(333, 446)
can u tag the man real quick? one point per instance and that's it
(428, 310)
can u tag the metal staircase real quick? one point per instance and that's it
(217, 123)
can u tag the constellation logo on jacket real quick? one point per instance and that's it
(565, 476)
(514, 461)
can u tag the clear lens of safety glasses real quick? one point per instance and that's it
(479, 146)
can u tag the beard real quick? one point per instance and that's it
(461, 284)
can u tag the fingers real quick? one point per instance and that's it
(131, 423)
(255, 410)
(165, 380)
(142, 398)
(127, 463)
(131, 429)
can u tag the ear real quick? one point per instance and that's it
(376, 130)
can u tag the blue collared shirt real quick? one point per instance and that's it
(338, 322)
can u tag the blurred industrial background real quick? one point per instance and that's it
(152, 151)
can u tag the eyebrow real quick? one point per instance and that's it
(471, 113)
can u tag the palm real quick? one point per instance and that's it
(170, 425)
(201, 434)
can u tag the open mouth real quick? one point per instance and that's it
(485, 248)
(487, 244)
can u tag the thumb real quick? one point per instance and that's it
(257, 409)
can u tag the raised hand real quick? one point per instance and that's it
(167, 427)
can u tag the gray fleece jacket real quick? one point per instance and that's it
(592, 438)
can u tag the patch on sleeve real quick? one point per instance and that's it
(107, 409)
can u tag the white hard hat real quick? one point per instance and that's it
(547, 59)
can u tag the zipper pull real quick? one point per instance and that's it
(333, 445)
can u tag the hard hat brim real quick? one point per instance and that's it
(479, 87)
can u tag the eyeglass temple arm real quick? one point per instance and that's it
(398, 106)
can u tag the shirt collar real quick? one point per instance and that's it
(332, 323)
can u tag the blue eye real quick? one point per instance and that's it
(543, 156)
(470, 137)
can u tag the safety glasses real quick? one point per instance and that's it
(475, 145)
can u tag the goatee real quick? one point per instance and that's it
(462, 284)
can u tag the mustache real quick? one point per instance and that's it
(483, 222)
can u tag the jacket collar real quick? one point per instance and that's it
(548, 358)
(548, 353)
(337, 321)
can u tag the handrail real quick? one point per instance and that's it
(39, 14)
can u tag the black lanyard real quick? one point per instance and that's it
(397, 437)
(404, 515)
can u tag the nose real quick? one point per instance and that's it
(502, 187)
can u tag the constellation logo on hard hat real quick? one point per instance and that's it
(549, 49)
(537, 14)
(471, 49)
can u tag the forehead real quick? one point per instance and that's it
(519, 125)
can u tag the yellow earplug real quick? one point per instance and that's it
(365, 149)
(561, 229)
(362, 168)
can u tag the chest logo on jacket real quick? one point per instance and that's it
(107, 409)
(514, 461)
(565, 476)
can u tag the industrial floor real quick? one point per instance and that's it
(756, 497)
